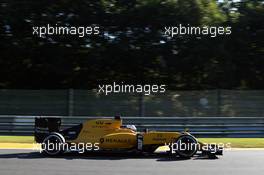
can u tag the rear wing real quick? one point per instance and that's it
(44, 126)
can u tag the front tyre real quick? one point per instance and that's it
(53, 144)
(185, 146)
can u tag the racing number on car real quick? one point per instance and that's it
(99, 122)
(159, 135)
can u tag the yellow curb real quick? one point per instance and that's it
(32, 146)
(162, 148)
(245, 149)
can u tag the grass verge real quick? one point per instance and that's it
(16, 139)
(237, 142)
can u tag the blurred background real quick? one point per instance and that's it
(132, 47)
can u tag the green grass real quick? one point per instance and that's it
(16, 139)
(235, 142)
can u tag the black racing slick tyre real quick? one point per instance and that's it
(53, 144)
(185, 146)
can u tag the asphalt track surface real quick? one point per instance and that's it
(27, 162)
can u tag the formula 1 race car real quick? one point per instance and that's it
(110, 135)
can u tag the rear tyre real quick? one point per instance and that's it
(185, 146)
(53, 145)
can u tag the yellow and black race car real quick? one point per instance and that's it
(110, 135)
